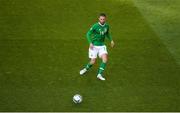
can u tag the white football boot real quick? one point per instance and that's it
(83, 71)
(100, 77)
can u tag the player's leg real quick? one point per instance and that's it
(102, 66)
(88, 66)
(92, 55)
(104, 56)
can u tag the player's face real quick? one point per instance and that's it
(102, 19)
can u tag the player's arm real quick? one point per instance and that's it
(88, 36)
(108, 35)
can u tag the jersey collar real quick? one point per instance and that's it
(101, 24)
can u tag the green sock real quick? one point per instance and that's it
(101, 68)
(88, 66)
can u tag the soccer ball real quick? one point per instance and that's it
(77, 98)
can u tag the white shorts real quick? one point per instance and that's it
(97, 50)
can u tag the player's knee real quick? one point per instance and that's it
(93, 61)
(105, 59)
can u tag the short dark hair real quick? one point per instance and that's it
(102, 14)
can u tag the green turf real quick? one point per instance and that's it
(163, 16)
(43, 47)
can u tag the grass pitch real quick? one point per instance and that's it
(43, 47)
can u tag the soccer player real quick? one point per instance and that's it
(96, 36)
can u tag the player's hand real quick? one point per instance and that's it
(112, 43)
(91, 46)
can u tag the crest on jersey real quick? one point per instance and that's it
(105, 30)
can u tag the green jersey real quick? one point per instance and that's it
(97, 33)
